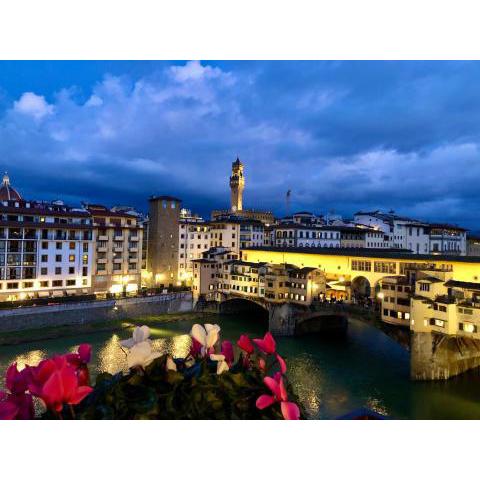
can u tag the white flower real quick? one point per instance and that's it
(171, 365)
(207, 336)
(141, 355)
(222, 365)
(139, 335)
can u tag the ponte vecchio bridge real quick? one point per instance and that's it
(365, 268)
(434, 354)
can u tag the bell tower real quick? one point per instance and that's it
(237, 184)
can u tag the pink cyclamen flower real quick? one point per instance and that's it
(79, 362)
(196, 348)
(8, 408)
(281, 362)
(16, 404)
(290, 410)
(227, 352)
(245, 344)
(17, 381)
(267, 344)
(56, 383)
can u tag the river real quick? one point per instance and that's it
(331, 377)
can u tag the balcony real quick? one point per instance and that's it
(102, 260)
(102, 238)
(133, 249)
(118, 238)
(133, 239)
(118, 249)
(118, 260)
(102, 249)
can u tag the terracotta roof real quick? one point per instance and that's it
(7, 192)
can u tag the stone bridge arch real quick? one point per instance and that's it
(361, 287)
(241, 305)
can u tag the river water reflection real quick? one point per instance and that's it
(331, 377)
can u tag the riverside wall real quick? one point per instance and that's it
(82, 313)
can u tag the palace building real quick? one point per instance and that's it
(237, 186)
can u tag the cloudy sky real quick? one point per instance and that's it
(342, 136)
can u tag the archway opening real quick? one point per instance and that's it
(244, 308)
(361, 288)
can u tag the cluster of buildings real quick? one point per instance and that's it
(432, 300)
(48, 249)
(176, 238)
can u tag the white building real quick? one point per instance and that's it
(418, 237)
(46, 249)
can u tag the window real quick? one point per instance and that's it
(58, 245)
(12, 285)
(71, 258)
(44, 258)
(44, 271)
(384, 267)
(27, 284)
(58, 270)
(425, 287)
(71, 283)
(71, 270)
(44, 284)
(362, 265)
(85, 272)
(85, 248)
(85, 259)
(71, 245)
(44, 245)
(57, 283)
(58, 258)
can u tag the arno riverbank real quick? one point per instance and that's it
(35, 323)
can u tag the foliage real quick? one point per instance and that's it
(209, 383)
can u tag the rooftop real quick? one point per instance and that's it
(7, 192)
(168, 198)
(397, 254)
(466, 285)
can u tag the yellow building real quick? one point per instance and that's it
(365, 268)
(118, 253)
(220, 274)
(446, 306)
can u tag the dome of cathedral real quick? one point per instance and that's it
(7, 192)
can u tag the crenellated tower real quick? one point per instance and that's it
(237, 184)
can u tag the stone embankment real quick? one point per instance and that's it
(83, 313)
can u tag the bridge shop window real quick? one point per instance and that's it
(384, 267)
(362, 265)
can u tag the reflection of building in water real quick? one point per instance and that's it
(111, 358)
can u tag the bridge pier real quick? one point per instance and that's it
(281, 319)
(435, 356)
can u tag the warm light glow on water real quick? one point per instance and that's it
(330, 377)
(32, 358)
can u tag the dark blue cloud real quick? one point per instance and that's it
(340, 135)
